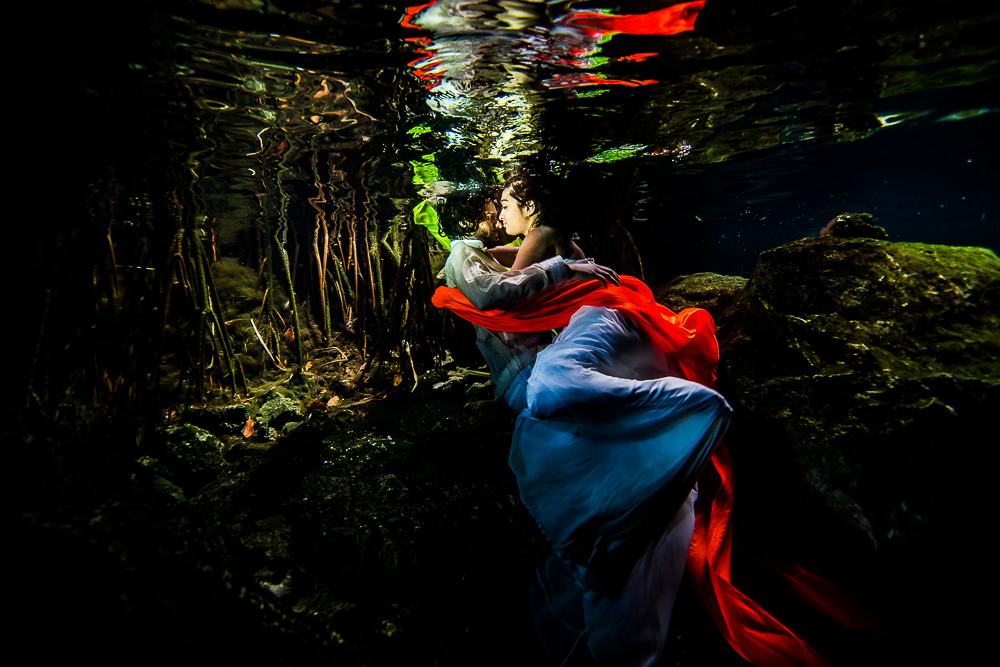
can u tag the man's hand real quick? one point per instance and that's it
(587, 270)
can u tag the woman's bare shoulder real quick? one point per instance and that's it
(558, 242)
(544, 234)
(539, 244)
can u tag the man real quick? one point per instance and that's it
(489, 285)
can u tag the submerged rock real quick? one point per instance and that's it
(862, 374)
(192, 455)
(854, 225)
(278, 411)
(712, 291)
(221, 420)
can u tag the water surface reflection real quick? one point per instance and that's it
(296, 139)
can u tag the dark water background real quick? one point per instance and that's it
(711, 145)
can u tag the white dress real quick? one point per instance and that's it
(606, 450)
(607, 447)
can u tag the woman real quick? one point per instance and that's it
(523, 205)
(613, 428)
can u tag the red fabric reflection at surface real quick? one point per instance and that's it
(411, 12)
(578, 79)
(668, 21)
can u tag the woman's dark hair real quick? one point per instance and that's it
(462, 211)
(542, 190)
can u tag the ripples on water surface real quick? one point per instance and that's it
(715, 129)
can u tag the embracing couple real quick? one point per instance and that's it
(617, 419)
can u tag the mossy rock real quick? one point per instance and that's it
(858, 370)
(278, 411)
(855, 225)
(192, 455)
(220, 420)
(712, 291)
(900, 309)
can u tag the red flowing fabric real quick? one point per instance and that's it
(690, 335)
(824, 596)
(751, 631)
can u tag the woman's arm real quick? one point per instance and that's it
(571, 250)
(504, 254)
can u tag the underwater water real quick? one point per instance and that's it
(235, 187)
(713, 130)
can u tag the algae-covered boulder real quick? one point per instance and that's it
(712, 291)
(863, 374)
(854, 225)
(278, 411)
(220, 420)
(192, 455)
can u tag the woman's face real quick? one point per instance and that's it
(516, 218)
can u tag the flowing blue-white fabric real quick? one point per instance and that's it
(604, 436)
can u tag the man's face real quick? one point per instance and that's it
(488, 231)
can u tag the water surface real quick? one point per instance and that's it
(713, 130)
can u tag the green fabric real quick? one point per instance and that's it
(424, 170)
(425, 216)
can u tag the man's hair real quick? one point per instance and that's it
(462, 211)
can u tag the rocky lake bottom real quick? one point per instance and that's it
(384, 526)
